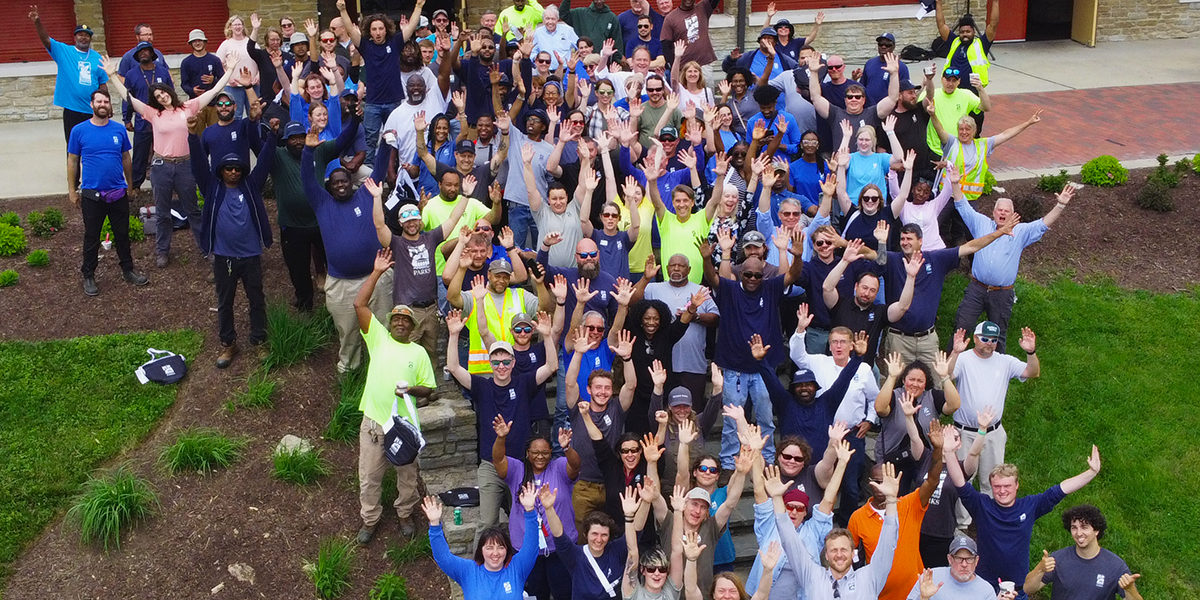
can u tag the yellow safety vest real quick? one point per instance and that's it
(972, 181)
(975, 55)
(498, 325)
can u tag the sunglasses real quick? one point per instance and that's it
(752, 274)
(988, 340)
(231, 168)
(820, 243)
(799, 508)
(410, 213)
(287, 25)
(655, 569)
(835, 67)
(791, 457)
(595, 327)
(652, 90)
(522, 329)
(610, 215)
(225, 103)
(854, 96)
(483, 228)
(502, 363)
(630, 450)
(543, 61)
(576, 122)
(872, 197)
(708, 469)
(330, 40)
(951, 73)
(592, 254)
(789, 213)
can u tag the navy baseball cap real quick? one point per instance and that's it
(293, 128)
(804, 376)
(465, 146)
(887, 36)
(768, 31)
(84, 28)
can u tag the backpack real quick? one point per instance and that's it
(912, 53)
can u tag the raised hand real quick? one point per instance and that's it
(558, 287)
(623, 292)
(890, 486)
(717, 378)
(479, 288)
(658, 374)
(433, 510)
(912, 264)
(844, 451)
(650, 448)
(752, 438)
(547, 496)
(803, 319)
(1066, 195)
(527, 153)
(757, 349)
(894, 363)
(624, 347)
(853, 251)
(383, 260)
(662, 417)
(545, 325)
(829, 184)
(500, 426)
(1093, 461)
(582, 344)
(889, 124)
(651, 268)
(735, 412)
(861, 341)
(1047, 563)
(1028, 340)
(725, 240)
(985, 417)
(552, 238)
(687, 432)
(774, 484)
(1007, 227)
(468, 185)
(692, 548)
(528, 496)
(583, 291)
(564, 440)
(770, 558)
(837, 431)
(928, 588)
(941, 365)
(847, 131)
(909, 404)
(960, 341)
(454, 321)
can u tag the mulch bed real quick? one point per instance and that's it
(241, 515)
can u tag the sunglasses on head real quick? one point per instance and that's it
(225, 103)
(791, 457)
(951, 73)
(708, 469)
(987, 339)
(752, 274)
(522, 329)
(502, 363)
(592, 254)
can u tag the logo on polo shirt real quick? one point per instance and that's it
(607, 421)
(871, 317)
(603, 296)
(233, 135)
(532, 357)
(1022, 517)
(507, 585)
(116, 141)
(357, 211)
(512, 394)
(389, 51)
(1100, 580)
(929, 268)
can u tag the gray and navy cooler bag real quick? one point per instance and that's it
(402, 439)
(164, 367)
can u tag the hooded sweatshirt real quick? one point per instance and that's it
(234, 221)
(598, 23)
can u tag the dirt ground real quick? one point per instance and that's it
(241, 515)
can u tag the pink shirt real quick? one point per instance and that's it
(170, 129)
(925, 216)
(237, 49)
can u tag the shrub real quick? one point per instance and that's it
(389, 586)
(330, 573)
(44, 224)
(12, 240)
(12, 218)
(1196, 163)
(1104, 171)
(1164, 175)
(989, 182)
(8, 278)
(293, 337)
(1182, 167)
(300, 466)
(38, 258)
(413, 550)
(111, 504)
(346, 418)
(54, 217)
(201, 450)
(1053, 183)
(1156, 196)
(136, 232)
(259, 391)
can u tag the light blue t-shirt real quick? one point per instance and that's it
(79, 74)
(867, 169)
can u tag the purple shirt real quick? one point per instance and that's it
(556, 477)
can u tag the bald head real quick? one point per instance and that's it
(585, 245)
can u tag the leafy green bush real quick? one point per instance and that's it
(1183, 166)
(989, 182)
(44, 224)
(1104, 171)
(1156, 195)
(260, 388)
(389, 586)
(12, 240)
(201, 450)
(1162, 174)
(330, 573)
(136, 232)
(300, 466)
(1053, 183)
(293, 337)
(413, 550)
(346, 418)
(12, 218)
(110, 504)
(38, 258)
(8, 278)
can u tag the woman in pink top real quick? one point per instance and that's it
(170, 167)
(234, 51)
(923, 208)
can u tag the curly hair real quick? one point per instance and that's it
(1088, 514)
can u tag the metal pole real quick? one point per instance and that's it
(741, 24)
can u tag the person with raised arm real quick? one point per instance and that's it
(80, 73)
(919, 404)
(859, 313)
(596, 566)
(857, 111)
(958, 575)
(1085, 570)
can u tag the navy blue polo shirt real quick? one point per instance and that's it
(927, 292)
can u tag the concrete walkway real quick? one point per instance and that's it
(33, 163)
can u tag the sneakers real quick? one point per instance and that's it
(89, 286)
(135, 278)
(366, 534)
(162, 261)
(227, 353)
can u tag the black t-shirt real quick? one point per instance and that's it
(513, 402)
(911, 127)
(869, 116)
(871, 320)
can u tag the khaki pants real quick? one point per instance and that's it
(491, 497)
(428, 327)
(372, 465)
(924, 349)
(586, 497)
(339, 300)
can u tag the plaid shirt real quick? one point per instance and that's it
(597, 123)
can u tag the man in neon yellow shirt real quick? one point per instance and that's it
(439, 209)
(951, 104)
(398, 366)
(523, 13)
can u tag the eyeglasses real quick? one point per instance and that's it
(592, 254)
(610, 215)
(630, 450)
(655, 569)
(752, 274)
(225, 103)
(708, 469)
(791, 457)
(287, 25)
(594, 327)
(576, 121)
(820, 243)
(522, 329)
(410, 213)
(537, 453)
(854, 96)
(502, 363)
(835, 67)
(872, 197)
(963, 559)
(951, 73)
(987, 339)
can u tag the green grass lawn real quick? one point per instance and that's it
(1117, 371)
(66, 407)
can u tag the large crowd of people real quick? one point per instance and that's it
(625, 239)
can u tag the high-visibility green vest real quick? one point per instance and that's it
(498, 325)
(975, 55)
(972, 181)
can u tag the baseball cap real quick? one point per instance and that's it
(401, 310)
(441, 11)
(350, 92)
(804, 376)
(226, 94)
(500, 346)
(987, 328)
(795, 495)
(699, 494)
(293, 128)
(948, 73)
(84, 28)
(521, 319)
(540, 115)
(962, 542)
(754, 238)
(197, 34)
(465, 146)
(680, 396)
(505, 80)
(906, 85)
(414, 213)
(767, 31)
(500, 265)
(886, 36)
(424, 22)
(297, 38)
(668, 131)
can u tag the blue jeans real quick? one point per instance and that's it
(738, 387)
(520, 220)
(239, 96)
(374, 116)
(167, 178)
(562, 417)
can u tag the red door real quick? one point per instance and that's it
(1013, 15)
(171, 22)
(20, 41)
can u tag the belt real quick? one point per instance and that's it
(919, 334)
(171, 159)
(991, 288)
(990, 429)
(423, 304)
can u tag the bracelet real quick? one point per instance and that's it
(628, 520)
(944, 379)
(509, 248)
(1032, 352)
(561, 303)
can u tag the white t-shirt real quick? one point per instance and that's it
(984, 382)
(401, 121)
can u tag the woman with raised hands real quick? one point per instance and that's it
(675, 413)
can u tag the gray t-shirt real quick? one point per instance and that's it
(794, 102)
(953, 589)
(1077, 578)
(567, 223)
(669, 592)
(708, 537)
(688, 354)
(514, 186)
(415, 279)
(893, 432)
